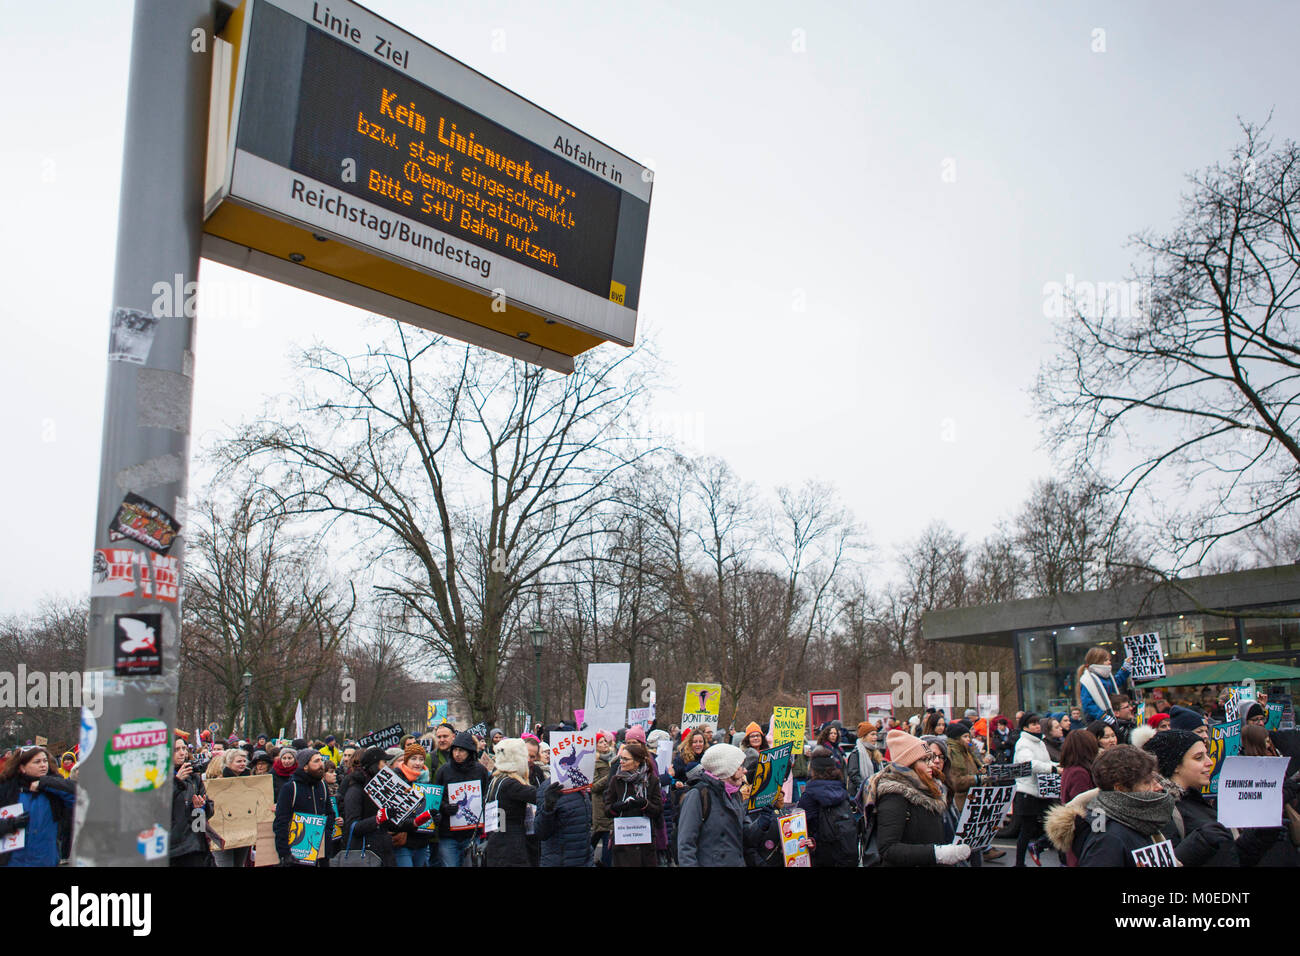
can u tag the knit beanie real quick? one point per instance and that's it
(752, 728)
(1155, 720)
(415, 750)
(609, 734)
(494, 731)
(722, 760)
(1169, 749)
(635, 732)
(1254, 710)
(821, 761)
(305, 755)
(370, 759)
(656, 736)
(954, 730)
(904, 749)
(1184, 718)
(866, 727)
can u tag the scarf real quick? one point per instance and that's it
(866, 759)
(1145, 812)
(410, 773)
(1092, 679)
(282, 771)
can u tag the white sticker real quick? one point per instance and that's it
(152, 843)
(492, 818)
(89, 734)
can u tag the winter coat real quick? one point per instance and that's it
(1002, 747)
(48, 812)
(1109, 845)
(452, 773)
(1065, 825)
(909, 820)
(1074, 781)
(302, 794)
(639, 797)
(1198, 837)
(278, 781)
(1031, 749)
(820, 795)
(183, 840)
(719, 838)
(965, 770)
(682, 770)
(507, 846)
(763, 839)
(1094, 709)
(565, 828)
(359, 826)
(601, 822)
(862, 769)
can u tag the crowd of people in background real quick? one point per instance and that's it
(885, 793)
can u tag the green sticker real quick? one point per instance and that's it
(138, 755)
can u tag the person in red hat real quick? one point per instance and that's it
(1158, 721)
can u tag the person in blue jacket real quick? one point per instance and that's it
(1096, 683)
(47, 800)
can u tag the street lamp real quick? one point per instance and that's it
(538, 635)
(248, 690)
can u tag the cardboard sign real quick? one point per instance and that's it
(1250, 791)
(788, 726)
(605, 705)
(389, 790)
(770, 773)
(307, 836)
(1146, 659)
(479, 730)
(1225, 742)
(573, 758)
(388, 737)
(982, 814)
(998, 772)
(1049, 786)
(465, 801)
(794, 839)
(1157, 854)
(18, 839)
(823, 706)
(700, 705)
(239, 805)
(629, 831)
(431, 793)
(137, 644)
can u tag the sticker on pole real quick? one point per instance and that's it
(89, 733)
(138, 755)
(152, 843)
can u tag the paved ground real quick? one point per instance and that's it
(1047, 858)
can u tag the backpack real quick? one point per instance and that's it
(706, 807)
(837, 835)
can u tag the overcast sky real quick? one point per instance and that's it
(854, 217)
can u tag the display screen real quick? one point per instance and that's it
(322, 108)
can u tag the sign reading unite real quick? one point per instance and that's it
(352, 150)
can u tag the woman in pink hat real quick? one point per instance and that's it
(909, 808)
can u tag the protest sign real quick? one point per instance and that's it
(431, 794)
(573, 758)
(986, 705)
(700, 705)
(1049, 786)
(981, 816)
(998, 772)
(823, 707)
(465, 802)
(388, 790)
(878, 704)
(239, 804)
(1225, 741)
(578, 719)
(388, 737)
(605, 706)
(307, 836)
(18, 838)
(338, 820)
(769, 774)
(1288, 713)
(1273, 710)
(492, 817)
(479, 730)
(788, 725)
(632, 830)
(645, 716)
(1232, 706)
(1146, 659)
(1157, 854)
(1250, 791)
(664, 756)
(435, 713)
(941, 702)
(794, 839)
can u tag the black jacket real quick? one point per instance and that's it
(909, 823)
(1108, 842)
(184, 839)
(1201, 840)
(452, 773)
(359, 827)
(507, 846)
(302, 794)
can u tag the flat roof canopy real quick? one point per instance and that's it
(996, 624)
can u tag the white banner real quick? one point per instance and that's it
(605, 706)
(632, 830)
(1250, 791)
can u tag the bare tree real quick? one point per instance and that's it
(1205, 380)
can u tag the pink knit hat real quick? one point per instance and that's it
(605, 733)
(904, 749)
(636, 732)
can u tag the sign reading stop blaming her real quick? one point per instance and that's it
(137, 755)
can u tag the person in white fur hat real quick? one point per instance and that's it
(510, 789)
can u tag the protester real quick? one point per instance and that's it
(1002, 744)
(1096, 683)
(1104, 733)
(510, 790)
(866, 759)
(185, 845)
(1126, 812)
(602, 823)
(829, 737)
(825, 803)
(47, 800)
(934, 724)
(908, 808)
(633, 791)
(564, 824)
(1053, 738)
(303, 793)
(1029, 807)
(711, 818)
(365, 823)
(1200, 840)
(285, 766)
(1077, 755)
(463, 767)
(687, 758)
(261, 763)
(1184, 718)
(752, 744)
(411, 841)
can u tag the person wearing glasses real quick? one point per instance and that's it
(909, 807)
(47, 801)
(1029, 806)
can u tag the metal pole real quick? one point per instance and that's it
(537, 686)
(124, 785)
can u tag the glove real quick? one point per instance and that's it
(551, 797)
(381, 816)
(948, 854)
(10, 824)
(287, 861)
(422, 819)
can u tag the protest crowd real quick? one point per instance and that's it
(1100, 785)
